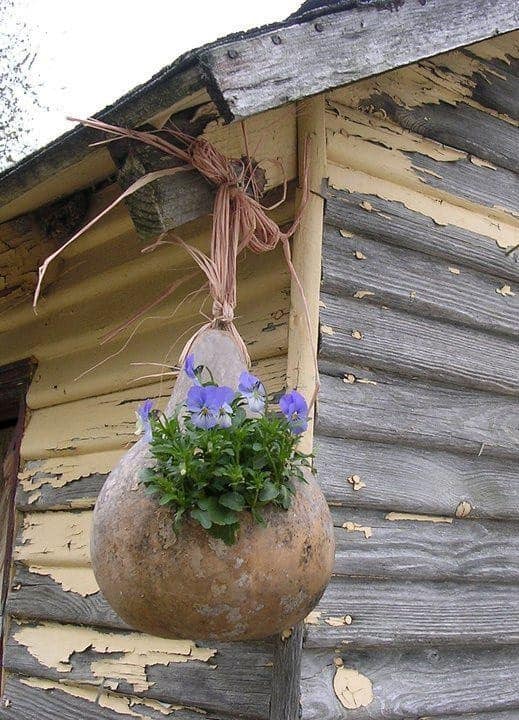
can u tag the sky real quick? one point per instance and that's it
(90, 53)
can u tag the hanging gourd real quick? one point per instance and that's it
(212, 526)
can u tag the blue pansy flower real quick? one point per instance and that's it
(190, 369)
(253, 390)
(143, 424)
(295, 409)
(222, 398)
(200, 405)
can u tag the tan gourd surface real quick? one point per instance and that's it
(193, 585)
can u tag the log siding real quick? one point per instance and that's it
(417, 437)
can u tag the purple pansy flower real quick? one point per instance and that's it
(295, 409)
(222, 398)
(210, 406)
(143, 424)
(190, 369)
(200, 405)
(253, 390)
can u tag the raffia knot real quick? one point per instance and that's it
(223, 312)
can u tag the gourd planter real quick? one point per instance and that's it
(190, 584)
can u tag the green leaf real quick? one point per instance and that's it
(202, 516)
(232, 500)
(227, 533)
(269, 492)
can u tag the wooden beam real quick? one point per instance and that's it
(288, 63)
(284, 701)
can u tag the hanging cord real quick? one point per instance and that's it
(240, 221)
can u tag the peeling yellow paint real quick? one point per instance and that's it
(505, 291)
(362, 294)
(356, 482)
(396, 516)
(58, 544)
(313, 617)
(121, 704)
(346, 234)
(327, 330)
(339, 621)
(355, 527)
(454, 270)
(53, 645)
(59, 471)
(463, 509)
(351, 688)
(357, 334)
(359, 255)
(349, 378)
(438, 210)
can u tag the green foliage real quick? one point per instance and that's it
(214, 475)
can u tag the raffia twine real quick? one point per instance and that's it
(240, 221)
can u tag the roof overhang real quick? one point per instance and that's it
(262, 69)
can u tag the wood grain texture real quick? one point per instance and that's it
(490, 138)
(415, 683)
(76, 493)
(286, 676)
(419, 480)
(38, 597)
(420, 284)
(261, 72)
(238, 682)
(418, 346)
(408, 612)
(397, 225)
(409, 412)
(462, 550)
(20, 701)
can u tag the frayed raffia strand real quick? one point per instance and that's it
(239, 222)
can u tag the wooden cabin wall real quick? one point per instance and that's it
(67, 654)
(417, 438)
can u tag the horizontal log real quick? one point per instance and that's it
(287, 63)
(377, 146)
(38, 597)
(26, 698)
(408, 412)
(402, 612)
(418, 546)
(235, 680)
(397, 225)
(459, 126)
(412, 682)
(422, 284)
(416, 480)
(417, 346)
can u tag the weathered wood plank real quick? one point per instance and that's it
(291, 62)
(401, 612)
(425, 547)
(363, 141)
(417, 346)
(422, 284)
(27, 698)
(286, 676)
(414, 683)
(416, 480)
(38, 597)
(220, 685)
(489, 138)
(395, 224)
(397, 410)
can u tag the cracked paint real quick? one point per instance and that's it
(58, 544)
(395, 516)
(53, 645)
(355, 527)
(353, 689)
(121, 704)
